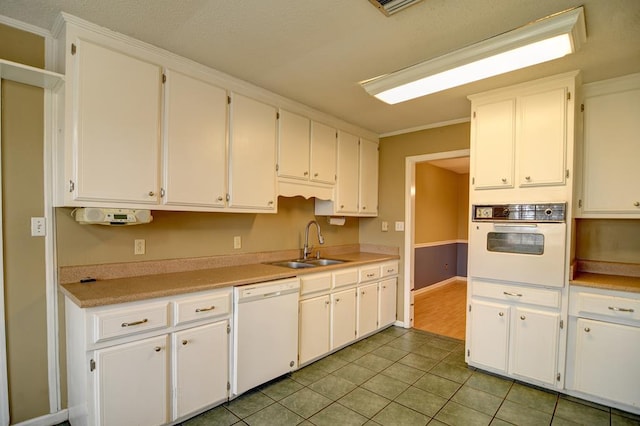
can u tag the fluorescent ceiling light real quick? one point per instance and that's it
(546, 39)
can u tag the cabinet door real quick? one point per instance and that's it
(131, 383)
(116, 126)
(293, 146)
(347, 185)
(493, 143)
(252, 155)
(367, 309)
(489, 337)
(368, 203)
(343, 325)
(606, 361)
(542, 135)
(535, 344)
(611, 153)
(194, 142)
(201, 370)
(323, 153)
(314, 328)
(387, 300)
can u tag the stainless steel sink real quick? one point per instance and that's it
(293, 264)
(324, 262)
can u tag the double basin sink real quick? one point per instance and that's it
(307, 263)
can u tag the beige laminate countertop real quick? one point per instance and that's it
(607, 282)
(120, 290)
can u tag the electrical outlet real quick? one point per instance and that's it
(399, 226)
(385, 226)
(237, 242)
(139, 247)
(38, 228)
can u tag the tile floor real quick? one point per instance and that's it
(404, 377)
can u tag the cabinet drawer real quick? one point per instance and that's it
(369, 273)
(345, 277)
(109, 324)
(202, 307)
(518, 294)
(610, 306)
(388, 269)
(315, 283)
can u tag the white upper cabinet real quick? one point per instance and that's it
(522, 138)
(347, 189)
(195, 136)
(611, 150)
(368, 182)
(252, 155)
(323, 153)
(114, 116)
(293, 145)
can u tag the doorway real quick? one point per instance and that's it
(436, 210)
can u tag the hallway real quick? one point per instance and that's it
(442, 310)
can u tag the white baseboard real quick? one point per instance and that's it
(47, 420)
(438, 285)
(401, 324)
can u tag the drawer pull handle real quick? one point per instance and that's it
(522, 317)
(614, 308)
(506, 293)
(129, 324)
(587, 329)
(210, 308)
(371, 275)
(157, 349)
(390, 271)
(501, 314)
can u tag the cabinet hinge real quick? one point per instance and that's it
(277, 116)
(567, 175)
(228, 386)
(335, 177)
(561, 324)
(581, 107)
(469, 308)
(355, 333)
(72, 186)
(228, 198)
(92, 365)
(162, 192)
(228, 329)
(580, 203)
(164, 78)
(474, 114)
(468, 352)
(229, 99)
(558, 377)
(473, 181)
(277, 167)
(568, 96)
(73, 48)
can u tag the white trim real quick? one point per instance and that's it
(4, 384)
(439, 243)
(46, 420)
(409, 205)
(437, 285)
(427, 127)
(25, 27)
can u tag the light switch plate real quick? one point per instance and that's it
(237, 242)
(385, 226)
(38, 227)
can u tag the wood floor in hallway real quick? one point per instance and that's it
(442, 310)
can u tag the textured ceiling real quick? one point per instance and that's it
(316, 52)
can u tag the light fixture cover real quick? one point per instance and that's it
(540, 41)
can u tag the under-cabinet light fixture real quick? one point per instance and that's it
(540, 41)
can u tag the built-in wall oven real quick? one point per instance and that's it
(523, 243)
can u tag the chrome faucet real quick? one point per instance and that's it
(306, 250)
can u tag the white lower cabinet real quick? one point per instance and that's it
(131, 383)
(343, 318)
(387, 302)
(510, 335)
(201, 367)
(315, 320)
(367, 309)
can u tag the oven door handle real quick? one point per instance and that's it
(515, 225)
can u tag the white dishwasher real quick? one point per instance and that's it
(265, 339)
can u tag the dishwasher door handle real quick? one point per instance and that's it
(274, 294)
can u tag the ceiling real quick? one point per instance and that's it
(316, 52)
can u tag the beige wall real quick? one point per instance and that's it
(391, 189)
(24, 256)
(608, 240)
(440, 204)
(188, 234)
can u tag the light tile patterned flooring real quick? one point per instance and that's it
(404, 377)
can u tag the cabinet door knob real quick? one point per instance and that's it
(220, 198)
(587, 329)
(306, 173)
(315, 175)
(326, 303)
(185, 342)
(337, 300)
(527, 177)
(270, 203)
(637, 204)
(522, 317)
(501, 314)
(152, 194)
(504, 180)
(157, 349)
(342, 206)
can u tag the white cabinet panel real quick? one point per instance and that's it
(368, 189)
(116, 116)
(347, 185)
(252, 155)
(141, 401)
(489, 323)
(293, 146)
(367, 309)
(323, 153)
(387, 301)
(315, 316)
(343, 317)
(201, 369)
(195, 136)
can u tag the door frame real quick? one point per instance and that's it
(409, 220)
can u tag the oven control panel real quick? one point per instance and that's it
(541, 212)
